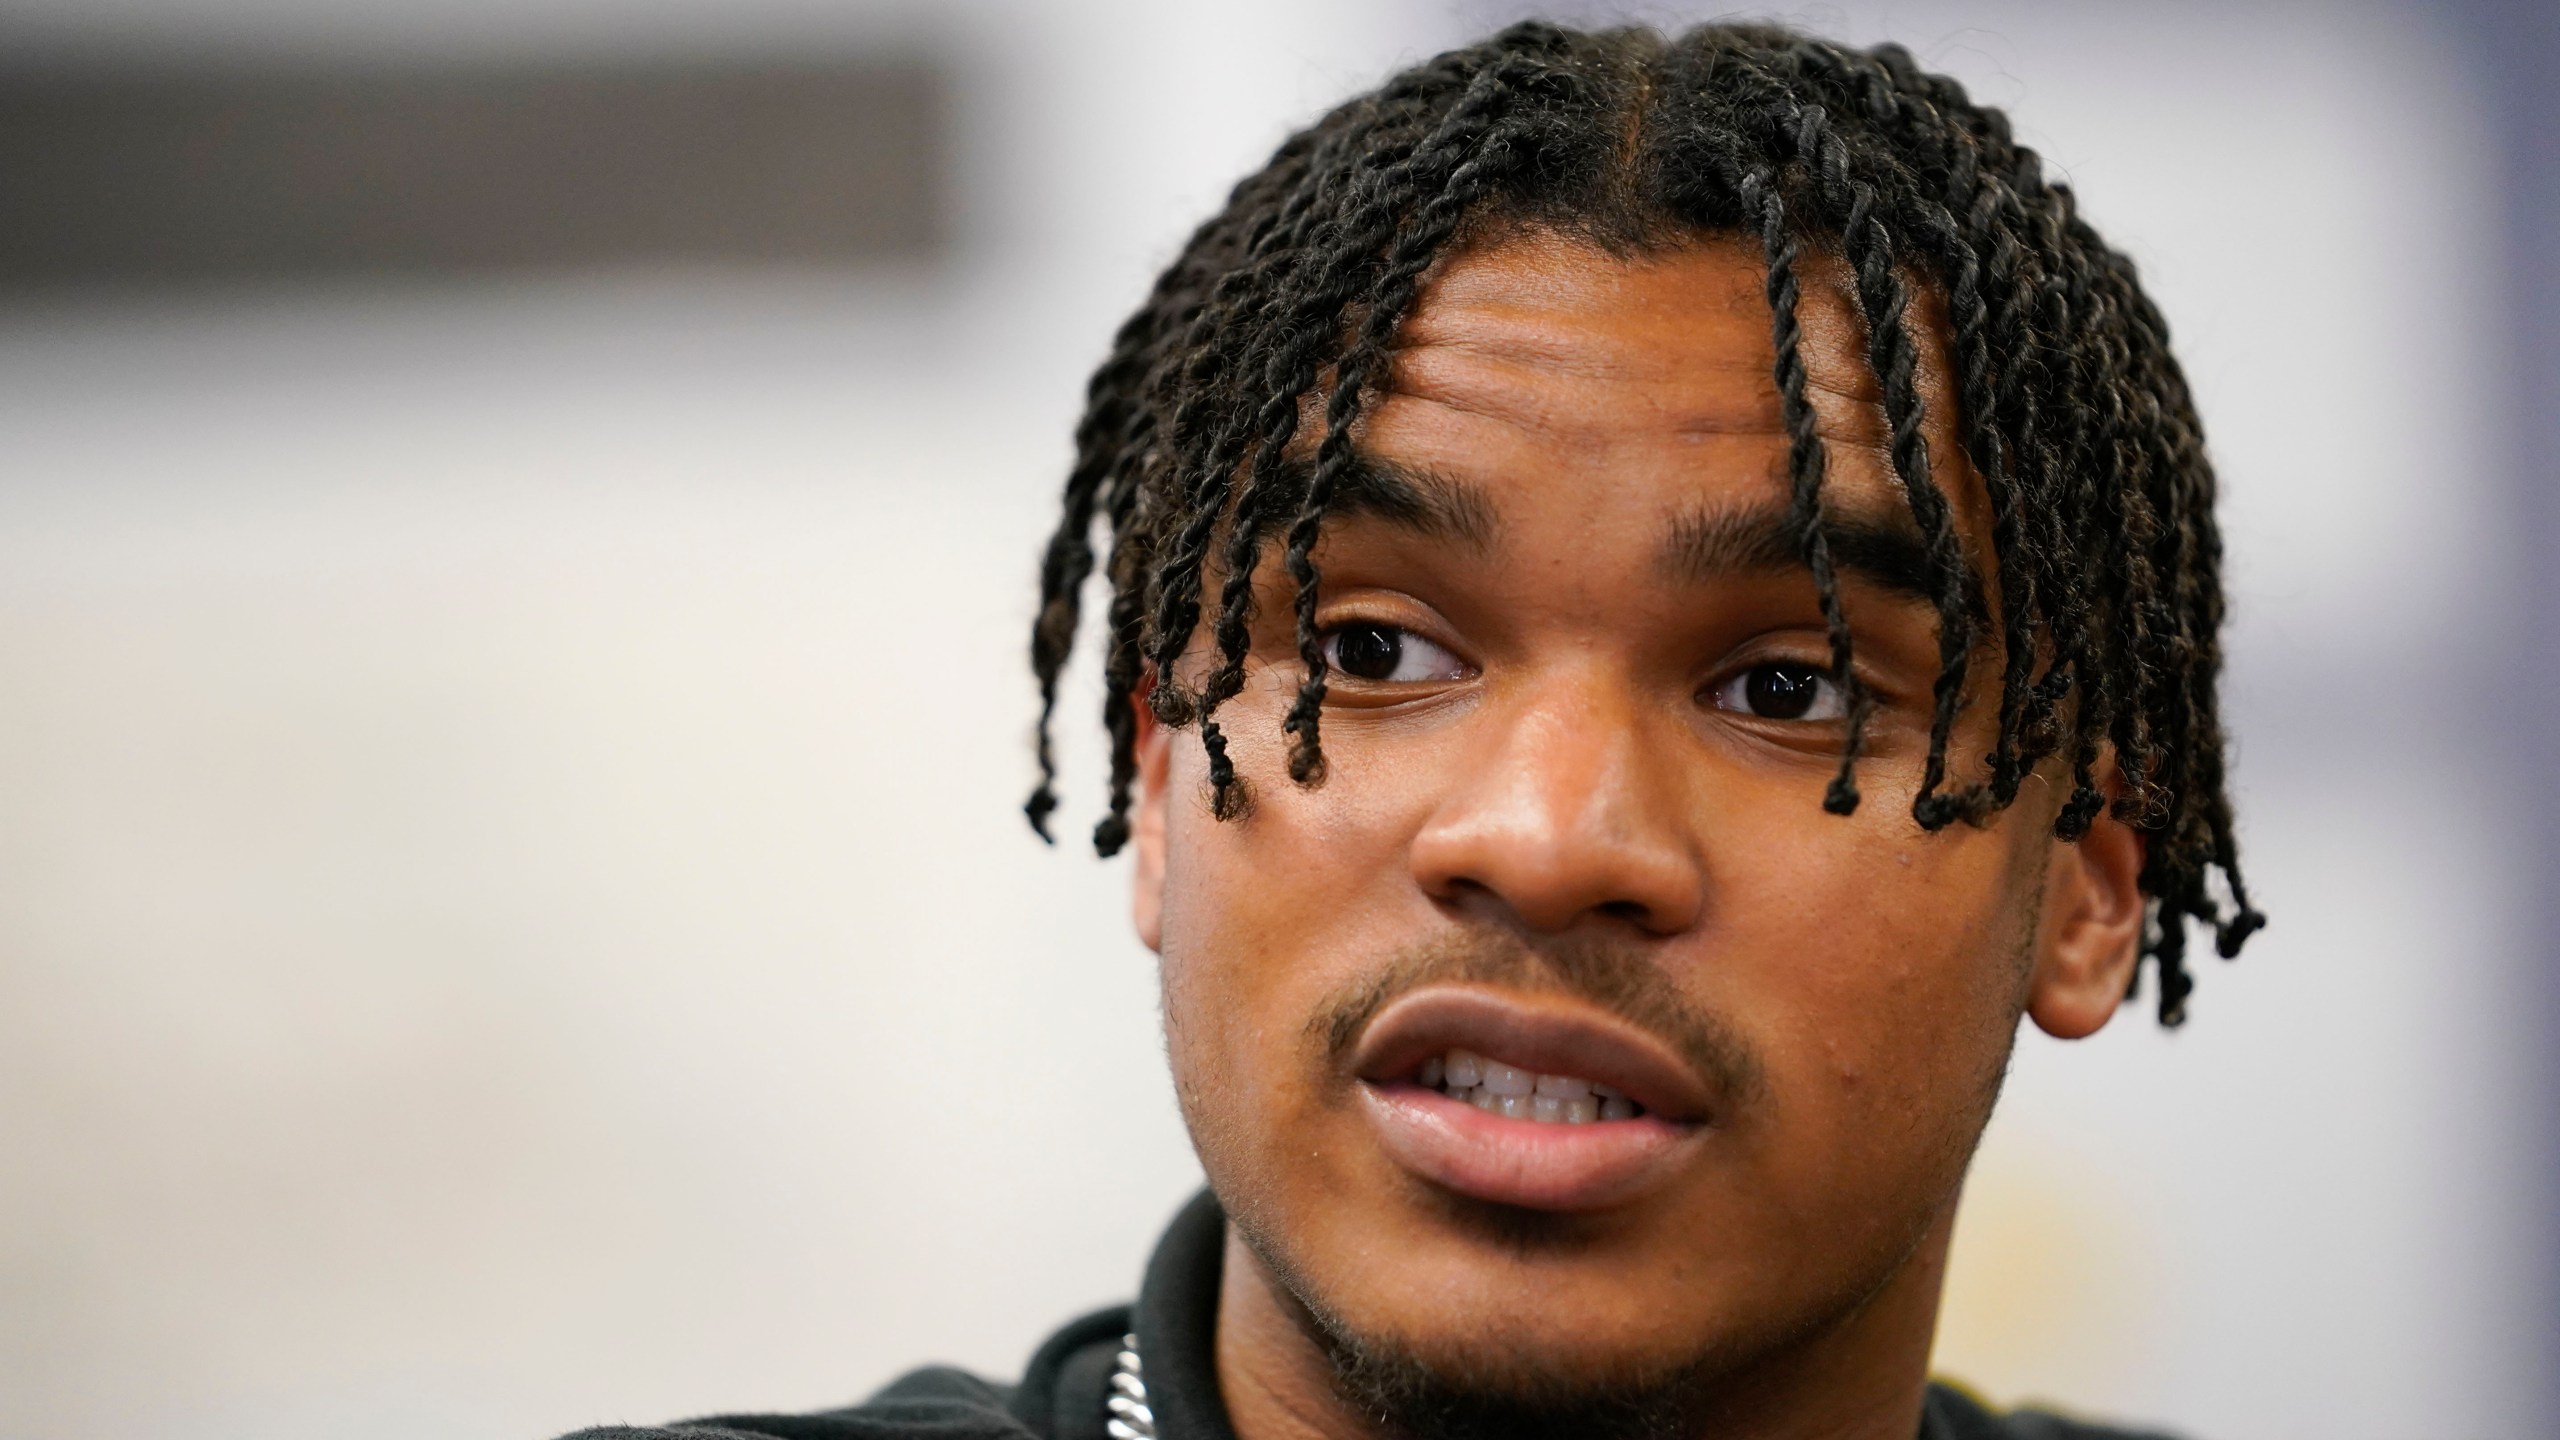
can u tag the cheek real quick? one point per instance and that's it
(1877, 965)
(1306, 879)
(1264, 919)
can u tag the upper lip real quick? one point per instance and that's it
(1552, 1035)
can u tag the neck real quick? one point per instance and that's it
(1861, 1377)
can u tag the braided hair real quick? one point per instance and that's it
(2073, 411)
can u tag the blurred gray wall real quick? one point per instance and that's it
(513, 912)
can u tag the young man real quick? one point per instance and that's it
(1663, 597)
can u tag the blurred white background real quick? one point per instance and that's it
(513, 911)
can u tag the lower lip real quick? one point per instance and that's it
(1533, 1164)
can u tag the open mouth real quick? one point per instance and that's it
(1517, 1094)
(1532, 1100)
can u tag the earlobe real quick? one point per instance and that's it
(2089, 935)
(1153, 750)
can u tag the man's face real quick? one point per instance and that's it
(1578, 737)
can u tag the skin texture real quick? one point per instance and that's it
(1572, 796)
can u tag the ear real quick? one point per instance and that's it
(1153, 748)
(2090, 932)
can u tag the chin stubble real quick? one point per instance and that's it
(1414, 1398)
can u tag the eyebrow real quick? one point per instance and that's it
(1428, 502)
(1716, 543)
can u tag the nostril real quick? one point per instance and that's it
(1634, 912)
(1460, 890)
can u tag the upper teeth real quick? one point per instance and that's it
(1524, 1094)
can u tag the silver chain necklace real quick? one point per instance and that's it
(1129, 1417)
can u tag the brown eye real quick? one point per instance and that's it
(1387, 655)
(1782, 690)
(1370, 652)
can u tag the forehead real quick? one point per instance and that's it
(1648, 378)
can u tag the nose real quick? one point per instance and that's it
(1564, 815)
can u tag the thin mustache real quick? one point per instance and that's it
(1614, 975)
